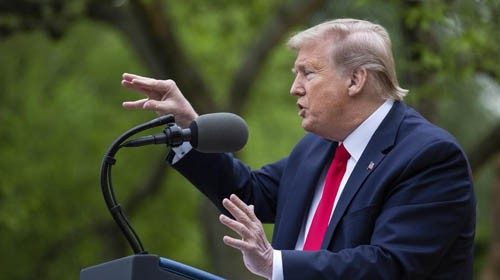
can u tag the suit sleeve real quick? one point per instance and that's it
(430, 206)
(218, 175)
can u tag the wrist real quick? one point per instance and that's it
(269, 264)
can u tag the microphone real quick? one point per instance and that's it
(209, 133)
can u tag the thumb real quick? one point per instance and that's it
(160, 107)
(152, 105)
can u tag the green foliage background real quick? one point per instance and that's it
(60, 108)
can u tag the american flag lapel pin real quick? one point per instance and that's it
(370, 166)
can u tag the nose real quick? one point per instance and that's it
(297, 87)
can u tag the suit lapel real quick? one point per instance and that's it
(300, 198)
(383, 139)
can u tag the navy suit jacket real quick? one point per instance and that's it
(406, 212)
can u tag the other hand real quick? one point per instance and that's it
(257, 251)
(163, 97)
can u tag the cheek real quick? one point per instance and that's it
(321, 102)
(323, 96)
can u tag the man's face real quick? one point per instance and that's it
(322, 92)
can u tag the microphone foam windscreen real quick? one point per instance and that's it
(218, 133)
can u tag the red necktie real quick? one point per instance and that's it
(321, 217)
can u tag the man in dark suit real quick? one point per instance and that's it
(373, 191)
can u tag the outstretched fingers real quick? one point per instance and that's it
(138, 104)
(238, 211)
(257, 251)
(163, 97)
(236, 226)
(154, 89)
(130, 77)
(247, 209)
(236, 243)
(142, 89)
(152, 84)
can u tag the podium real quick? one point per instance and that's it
(144, 267)
(141, 266)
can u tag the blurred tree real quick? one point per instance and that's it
(440, 49)
(491, 269)
(148, 26)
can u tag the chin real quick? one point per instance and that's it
(307, 126)
(315, 129)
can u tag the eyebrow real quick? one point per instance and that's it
(300, 67)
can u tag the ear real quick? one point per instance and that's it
(357, 81)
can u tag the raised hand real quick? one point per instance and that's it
(257, 251)
(163, 97)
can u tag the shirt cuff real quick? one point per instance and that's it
(277, 266)
(181, 151)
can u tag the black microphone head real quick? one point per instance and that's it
(218, 133)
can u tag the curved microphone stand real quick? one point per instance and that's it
(107, 188)
(141, 265)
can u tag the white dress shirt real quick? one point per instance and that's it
(355, 143)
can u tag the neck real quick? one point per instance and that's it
(360, 111)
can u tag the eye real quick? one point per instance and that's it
(309, 74)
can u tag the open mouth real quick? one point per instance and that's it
(302, 110)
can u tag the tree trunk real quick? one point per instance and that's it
(415, 75)
(491, 271)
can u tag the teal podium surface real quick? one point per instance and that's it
(144, 267)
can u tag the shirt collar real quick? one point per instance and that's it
(356, 142)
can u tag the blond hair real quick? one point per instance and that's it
(358, 43)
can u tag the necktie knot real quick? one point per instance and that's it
(341, 154)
